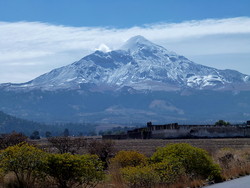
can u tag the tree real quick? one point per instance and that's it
(92, 133)
(67, 144)
(66, 132)
(222, 123)
(104, 149)
(35, 135)
(12, 139)
(69, 170)
(48, 134)
(80, 134)
(25, 161)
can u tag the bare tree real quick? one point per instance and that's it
(12, 139)
(68, 144)
(104, 149)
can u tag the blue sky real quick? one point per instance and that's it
(119, 13)
(39, 35)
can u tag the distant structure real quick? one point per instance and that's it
(174, 130)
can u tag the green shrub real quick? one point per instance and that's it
(169, 171)
(140, 176)
(129, 158)
(25, 161)
(69, 170)
(195, 161)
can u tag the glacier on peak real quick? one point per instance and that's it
(138, 64)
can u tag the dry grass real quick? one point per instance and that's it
(115, 176)
(115, 181)
(234, 162)
(185, 182)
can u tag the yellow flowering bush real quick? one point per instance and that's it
(69, 170)
(129, 158)
(140, 176)
(25, 161)
(195, 161)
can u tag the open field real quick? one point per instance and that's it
(149, 146)
(211, 145)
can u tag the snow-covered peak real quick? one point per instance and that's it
(141, 48)
(139, 43)
(136, 42)
(139, 64)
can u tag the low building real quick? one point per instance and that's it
(174, 130)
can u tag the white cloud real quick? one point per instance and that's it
(103, 48)
(33, 48)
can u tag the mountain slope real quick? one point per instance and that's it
(10, 123)
(137, 83)
(139, 64)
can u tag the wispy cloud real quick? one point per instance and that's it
(32, 48)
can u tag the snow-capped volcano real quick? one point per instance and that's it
(139, 64)
(137, 80)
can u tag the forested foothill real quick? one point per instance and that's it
(9, 123)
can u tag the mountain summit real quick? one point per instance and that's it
(141, 65)
(137, 43)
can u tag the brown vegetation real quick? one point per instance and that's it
(234, 162)
(11, 139)
(104, 149)
(67, 144)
